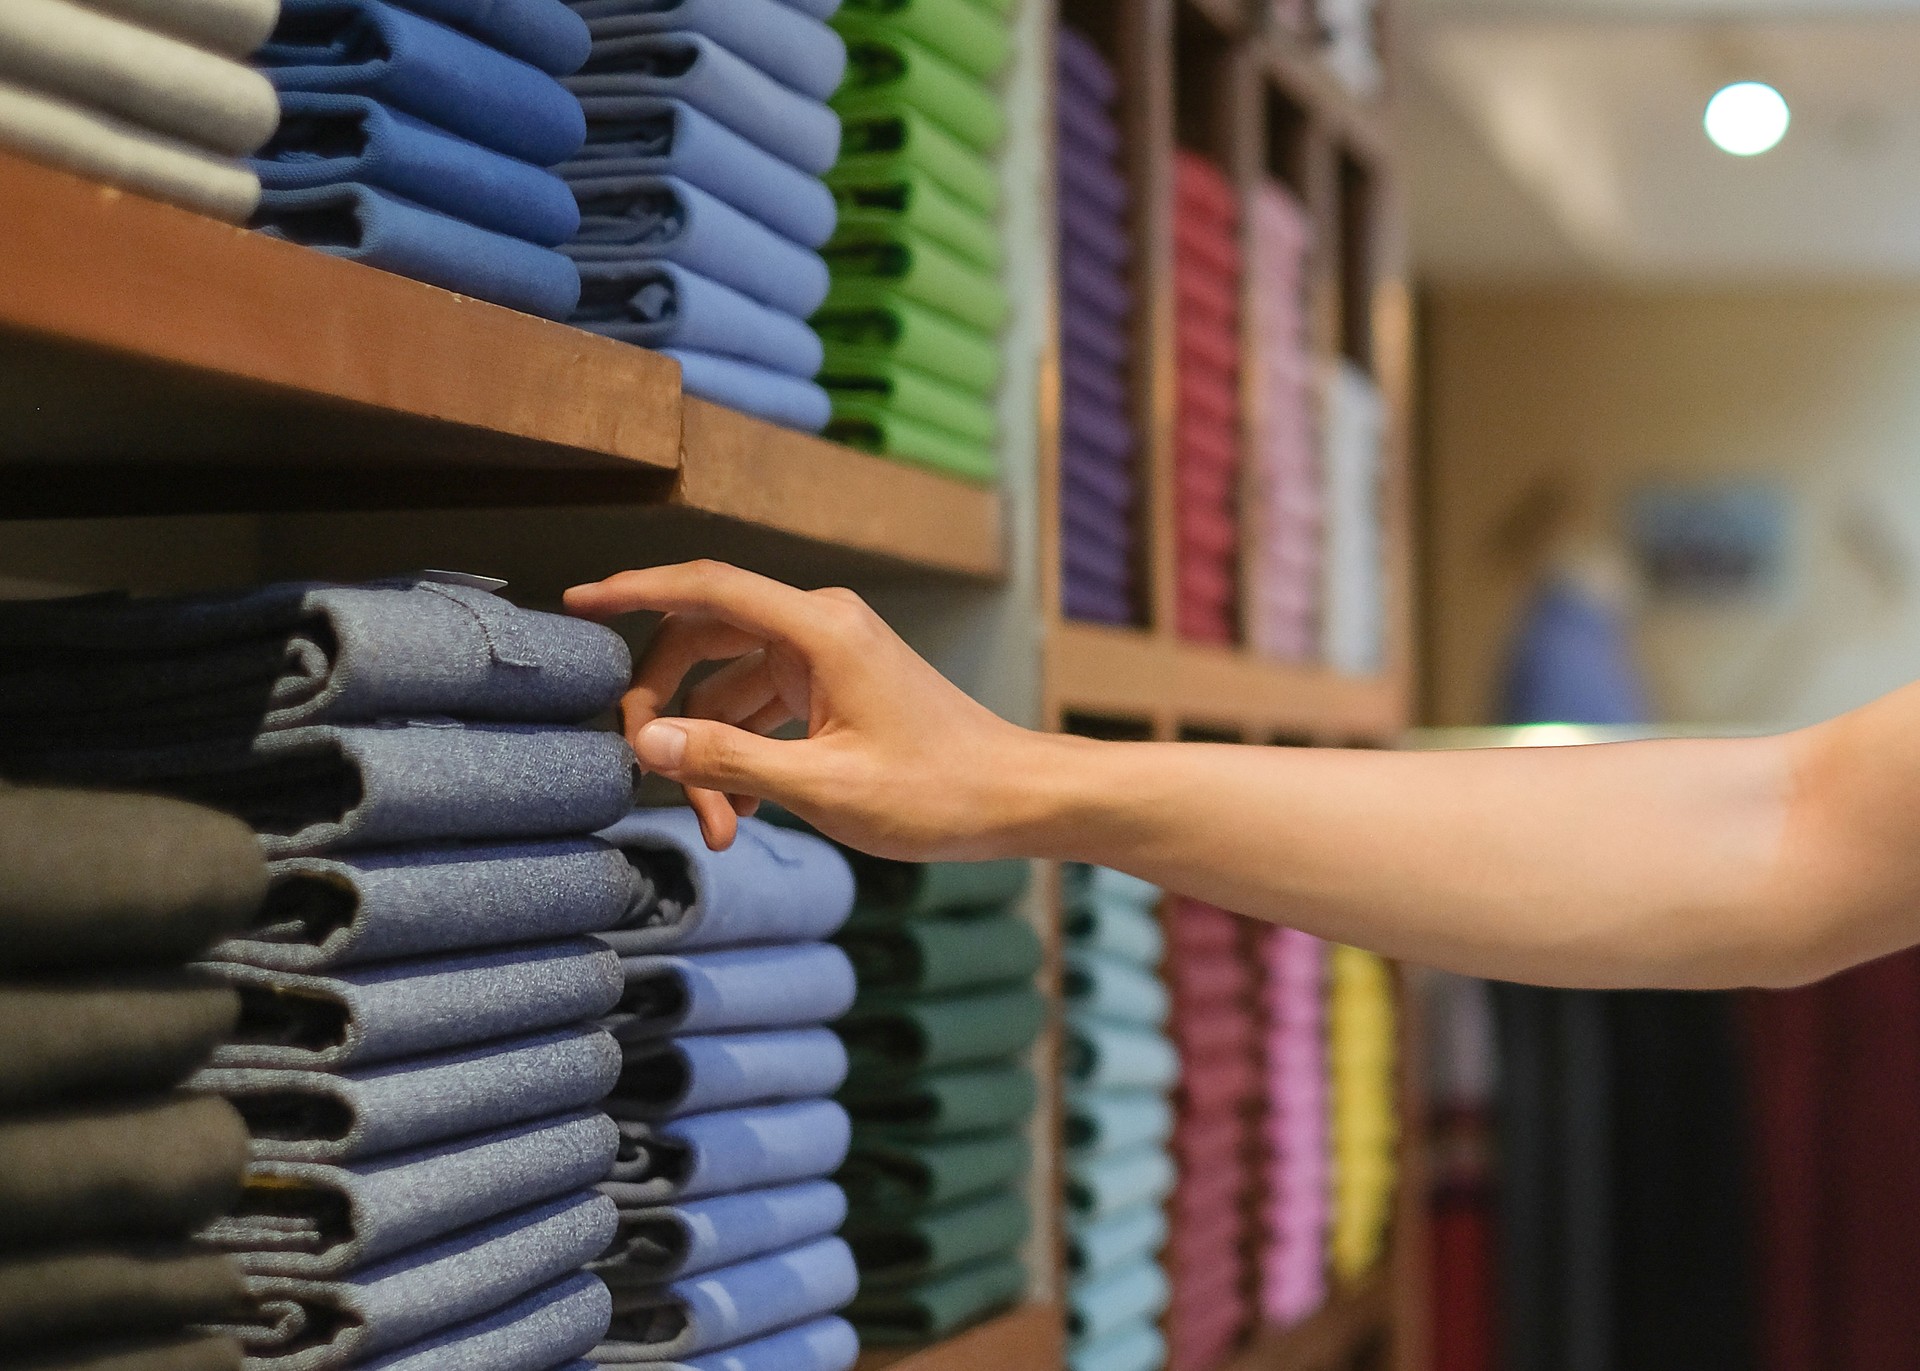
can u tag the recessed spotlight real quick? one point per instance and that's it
(1746, 118)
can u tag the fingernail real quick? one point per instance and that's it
(661, 745)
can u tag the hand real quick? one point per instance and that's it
(896, 761)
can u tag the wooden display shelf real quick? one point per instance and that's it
(1326, 1340)
(1131, 674)
(1029, 1338)
(156, 361)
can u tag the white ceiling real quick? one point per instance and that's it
(1551, 138)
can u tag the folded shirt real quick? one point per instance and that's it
(773, 885)
(902, 1249)
(657, 1242)
(156, 1169)
(74, 1295)
(760, 391)
(911, 889)
(890, 1038)
(334, 912)
(328, 139)
(785, 986)
(911, 394)
(320, 1116)
(828, 1344)
(1134, 1347)
(308, 1325)
(549, 1328)
(74, 53)
(363, 225)
(403, 1009)
(298, 652)
(1110, 1182)
(887, 72)
(897, 144)
(883, 330)
(895, 1176)
(123, 1036)
(967, 35)
(627, 217)
(942, 1104)
(1097, 604)
(792, 47)
(708, 1072)
(1115, 1056)
(736, 1149)
(692, 67)
(651, 135)
(91, 880)
(660, 304)
(917, 269)
(730, 1305)
(934, 956)
(939, 1308)
(543, 32)
(1104, 1121)
(1102, 1306)
(155, 1352)
(1121, 1238)
(314, 1220)
(914, 201)
(454, 82)
(106, 148)
(309, 790)
(875, 427)
(232, 27)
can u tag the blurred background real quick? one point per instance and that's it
(1669, 479)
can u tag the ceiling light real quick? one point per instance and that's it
(1746, 118)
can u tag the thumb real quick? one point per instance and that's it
(717, 756)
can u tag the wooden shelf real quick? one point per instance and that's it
(1029, 1338)
(1127, 673)
(1326, 1340)
(156, 361)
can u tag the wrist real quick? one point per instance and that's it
(1051, 792)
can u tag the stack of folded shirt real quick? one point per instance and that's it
(1119, 1068)
(1206, 457)
(106, 1167)
(151, 96)
(916, 304)
(1283, 517)
(413, 136)
(409, 1058)
(1298, 1172)
(700, 195)
(1361, 1057)
(726, 1255)
(1099, 469)
(1354, 583)
(1216, 1137)
(939, 1097)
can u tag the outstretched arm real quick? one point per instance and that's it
(1685, 863)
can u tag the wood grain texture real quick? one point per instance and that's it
(1326, 1340)
(1030, 1338)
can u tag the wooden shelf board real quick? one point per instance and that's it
(1325, 1340)
(1130, 673)
(1029, 1338)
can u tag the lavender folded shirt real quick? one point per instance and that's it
(703, 1073)
(658, 1242)
(736, 1149)
(728, 1305)
(738, 988)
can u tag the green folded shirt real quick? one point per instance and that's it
(873, 428)
(916, 201)
(959, 30)
(888, 72)
(912, 889)
(919, 269)
(932, 956)
(900, 1249)
(941, 1307)
(942, 1104)
(889, 1038)
(916, 396)
(891, 145)
(896, 333)
(897, 1176)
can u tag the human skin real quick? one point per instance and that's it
(1696, 863)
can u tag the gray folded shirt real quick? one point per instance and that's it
(311, 1219)
(544, 1331)
(319, 1116)
(405, 1009)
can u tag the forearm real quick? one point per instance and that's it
(1669, 863)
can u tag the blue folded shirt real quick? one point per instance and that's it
(773, 885)
(819, 9)
(763, 393)
(660, 1242)
(748, 987)
(1120, 1239)
(543, 32)
(662, 304)
(795, 49)
(368, 47)
(735, 1149)
(327, 139)
(662, 218)
(366, 226)
(729, 1305)
(828, 1344)
(556, 1322)
(694, 68)
(707, 1072)
(649, 135)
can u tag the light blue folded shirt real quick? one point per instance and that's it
(795, 49)
(1113, 987)
(1103, 1185)
(1101, 1121)
(666, 1242)
(735, 1149)
(663, 305)
(707, 1072)
(730, 1305)
(1137, 1346)
(1101, 1055)
(732, 989)
(1105, 1244)
(1098, 1308)
(790, 401)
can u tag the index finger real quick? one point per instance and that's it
(715, 590)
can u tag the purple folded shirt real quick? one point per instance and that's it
(1089, 229)
(1093, 604)
(1094, 287)
(1088, 175)
(1095, 429)
(1085, 476)
(1083, 67)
